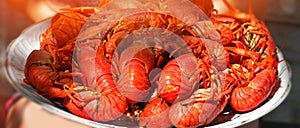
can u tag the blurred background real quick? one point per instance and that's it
(282, 17)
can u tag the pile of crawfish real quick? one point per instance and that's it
(152, 68)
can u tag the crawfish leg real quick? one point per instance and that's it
(74, 108)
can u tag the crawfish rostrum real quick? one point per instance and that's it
(102, 73)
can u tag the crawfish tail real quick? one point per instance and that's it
(246, 98)
(41, 74)
(155, 114)
(178, 78)
(110, 104)
(135, 64)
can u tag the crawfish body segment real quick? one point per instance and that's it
(226, 33)
(64, 28)
(135, 64)
(41, 73)
(246, 98)
(155, 114)
(199, 109)
(110, 104)
(106, 107)
(178, 79)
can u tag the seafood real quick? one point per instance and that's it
(133, 81)
(246, 29)
(57, 47)
(123, 37)
(42, 74)
(212, 52)
(178, 79)
(60, 37)
(155, 114)
(249, 95)
(141, 21)
(110, 104)
(255, 48)
(100, 65)
(226, 33)
(200, 108)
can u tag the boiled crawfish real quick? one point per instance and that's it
(99, 74)
(55, 58)
(133, 79)
(132, 70)
(109, 104)
(248, 39)
(202, 107)
(41, 72)
(60, 37)
(155, 114)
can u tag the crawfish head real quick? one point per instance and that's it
(41, 74)
(37, 57)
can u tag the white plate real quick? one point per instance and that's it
(29, 40)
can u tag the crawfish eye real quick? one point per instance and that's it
(104, 41)
(214, 56)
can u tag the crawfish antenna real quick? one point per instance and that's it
(250, 9)
(232, 9)
(103, 2)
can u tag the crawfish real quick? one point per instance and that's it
(59, 38)
(179, 78)
(144, 20)
(200, 108)
(256, 80)
(133, 72)
(42, 74)
(258, 50)
(225, 32)
(134, 66)
(109, 104)
(210, 51)
(246, 28)
(155, 114)
(249, 95)
(49, 69)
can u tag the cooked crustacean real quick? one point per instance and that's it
(102, 62)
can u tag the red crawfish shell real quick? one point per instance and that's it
(155, 114)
